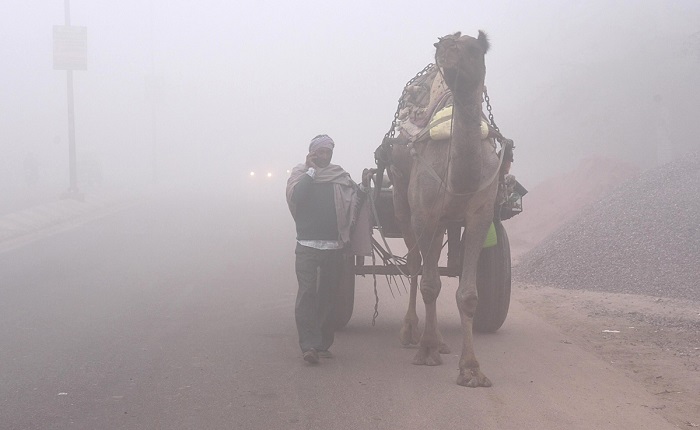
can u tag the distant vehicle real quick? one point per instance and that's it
(268, 175)
(263, 183)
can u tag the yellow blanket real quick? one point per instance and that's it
(441, 125)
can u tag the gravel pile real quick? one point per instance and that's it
(642, 238)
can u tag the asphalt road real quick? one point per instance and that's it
(178, 314)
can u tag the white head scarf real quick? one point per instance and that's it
(321, 141)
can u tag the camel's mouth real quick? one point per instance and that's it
(447, 53)
(447, 58)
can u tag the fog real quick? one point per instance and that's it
(177, 310)
(212, 90)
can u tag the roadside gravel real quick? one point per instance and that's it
(642, 238)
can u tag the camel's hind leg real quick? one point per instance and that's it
(410, 333)
(430, 244)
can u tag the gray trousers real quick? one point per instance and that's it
(318, 273)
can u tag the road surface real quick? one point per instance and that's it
(178, 314)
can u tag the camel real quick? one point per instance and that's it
(438, 182)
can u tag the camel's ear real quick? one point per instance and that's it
(483, 41)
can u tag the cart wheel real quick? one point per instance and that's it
(493, 282)
(345, 294)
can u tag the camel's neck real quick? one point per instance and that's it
(465, 149)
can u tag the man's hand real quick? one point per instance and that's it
(367, 176)
(311, 160)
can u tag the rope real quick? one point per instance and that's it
(376, 296)
(391, 257)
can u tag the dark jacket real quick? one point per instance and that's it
(315, 216)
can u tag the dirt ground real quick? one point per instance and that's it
(653, 341)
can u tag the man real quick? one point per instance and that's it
(323, 200)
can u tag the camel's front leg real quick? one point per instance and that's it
(467, 299)
(430, 245)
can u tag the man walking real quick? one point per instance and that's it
(323, 200)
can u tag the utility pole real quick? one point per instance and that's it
(155, 93)
(70, 53)
(72, 159)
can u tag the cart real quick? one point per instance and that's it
(493, 270)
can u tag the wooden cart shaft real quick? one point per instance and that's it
(391, 270)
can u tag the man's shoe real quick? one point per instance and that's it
(326, 354)
(311, 356)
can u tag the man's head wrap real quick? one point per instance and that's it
(321, 141)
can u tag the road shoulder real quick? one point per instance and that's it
(653, 341)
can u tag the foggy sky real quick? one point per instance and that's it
(230, 87)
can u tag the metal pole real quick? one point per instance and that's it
(71, 137)
(154, 139)
(72, 165)
(154, 100)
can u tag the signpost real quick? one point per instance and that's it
(70, 53)
(69, 47)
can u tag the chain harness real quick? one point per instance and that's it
(402, 99)
(488, 108)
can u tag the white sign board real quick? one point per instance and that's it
(69, 47)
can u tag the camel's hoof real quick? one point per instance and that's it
(415, 335)
(409, 334)
(444, 349)
(472, 378)
(427, 357)
(405, 336)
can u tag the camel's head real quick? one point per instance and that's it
(461, 59)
